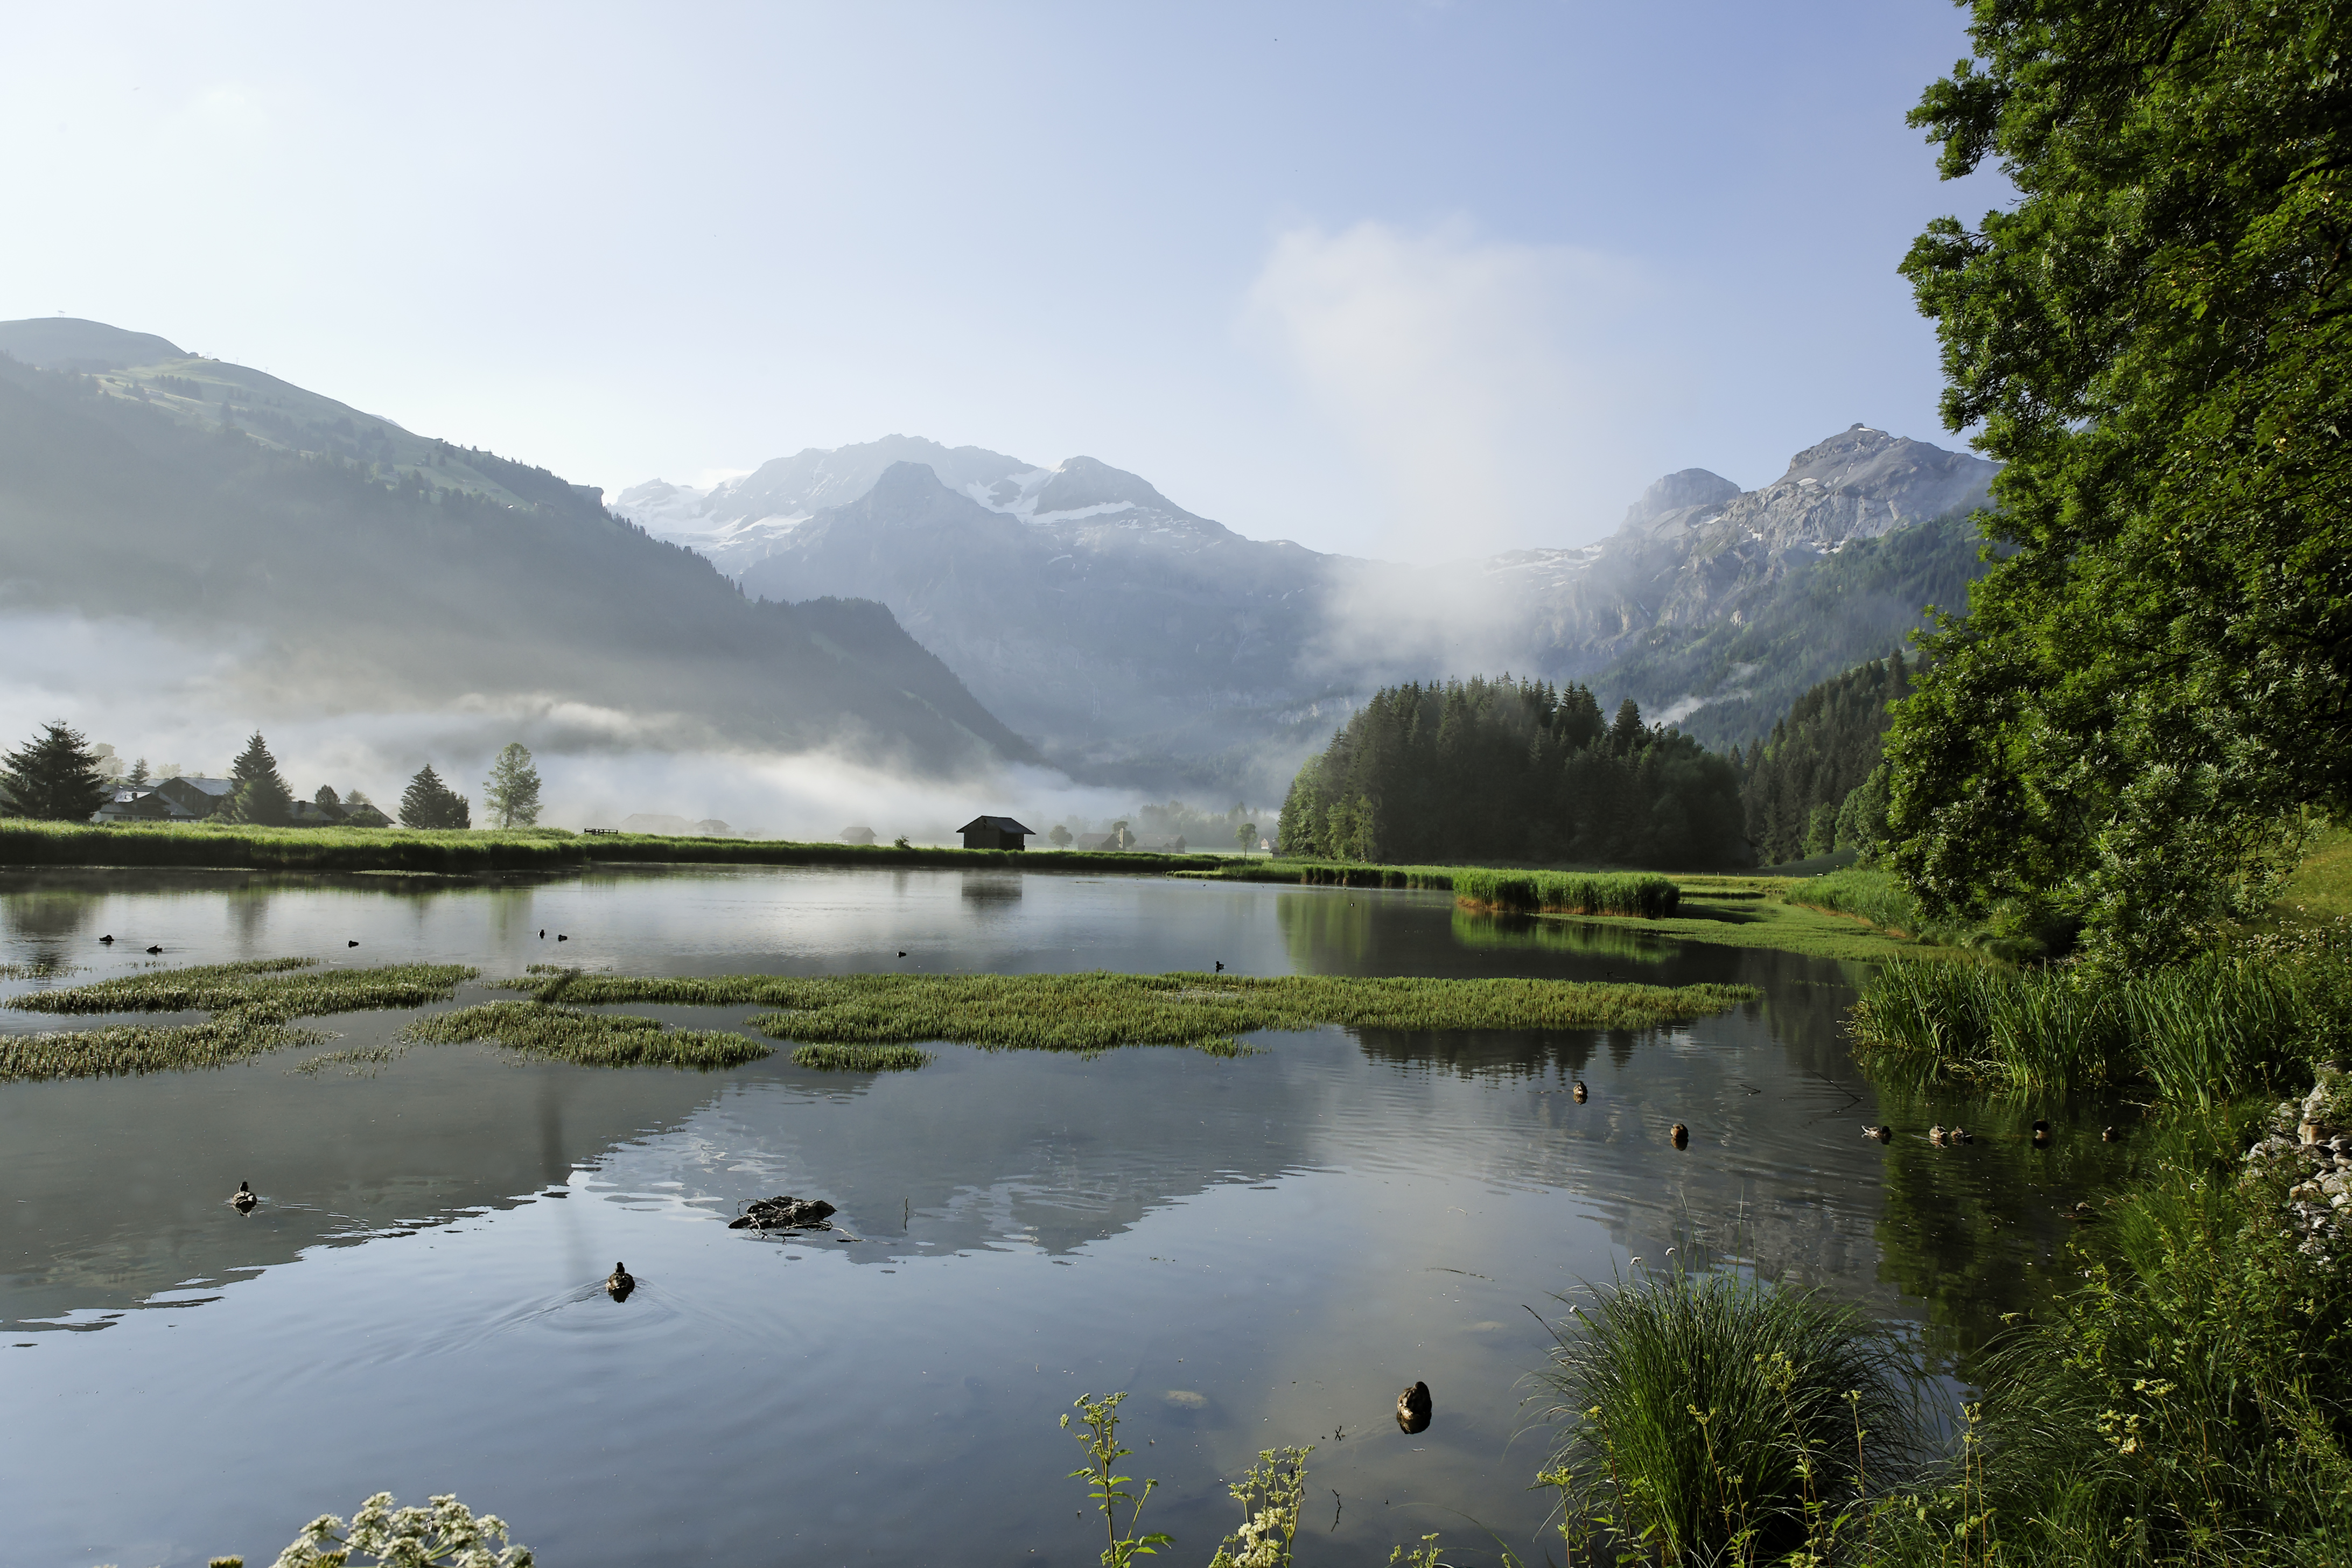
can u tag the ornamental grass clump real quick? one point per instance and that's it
(1715, 1418)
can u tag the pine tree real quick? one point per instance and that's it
(137, 778)
(511, 794)
(259, 795)
(429, 803)
(54, 777)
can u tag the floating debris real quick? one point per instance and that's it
(784, 1213)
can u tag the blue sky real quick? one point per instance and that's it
(1414, 281)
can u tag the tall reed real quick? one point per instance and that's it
(2231, 1021)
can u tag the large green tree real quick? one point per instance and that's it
(54, 775)
(429, 803)
(511, 794)
(2149, 695)
(259, 793)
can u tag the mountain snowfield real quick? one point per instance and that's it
(1128, 636)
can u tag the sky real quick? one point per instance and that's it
(1390, 277)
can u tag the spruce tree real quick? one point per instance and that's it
(259, 795)
(511, 794)
(137, 778)
(429, 803)
(54, 776)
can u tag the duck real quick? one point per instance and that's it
(2042, 1134)
(2082, 1214)
(243, 1197)
(542, 933)
(1579, 1092)
(350, 945)
(560, 937)
(1878, 1132)
(1413, 1406)
(2109, 1135)
(1936, 1135)
(1221, 966)
(1959, 1135)
(1680, 1134)
(107, 940)
(158, 948)
(620, 1282)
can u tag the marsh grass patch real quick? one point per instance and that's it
(555, 1033)
(1101, 1011)
(253, 1005)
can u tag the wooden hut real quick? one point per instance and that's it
(994, 832)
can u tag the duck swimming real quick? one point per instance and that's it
(243, 1197)
(1579, 1092)
(1680, 1134)
(1878, 1134)
(2042, 1134)
(1413, 1406)
(1936, 1135)
(1961, 1135)
(620, 1282)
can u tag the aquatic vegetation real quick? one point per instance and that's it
(2233, 1020)
(357, 1060)
(860, 1058)
(300, 987)
(1100, 1011)
(1642, 893)
(592, 1039)
(445, 1532)
(253, 1005)
(1719, 1418)
(38, 969)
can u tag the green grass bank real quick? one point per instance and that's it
(465, 853)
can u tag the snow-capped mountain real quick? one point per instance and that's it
(1115, 627)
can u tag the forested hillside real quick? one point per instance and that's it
(1799, 783)
(1505, 771)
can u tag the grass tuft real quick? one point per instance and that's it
(1716, 1418)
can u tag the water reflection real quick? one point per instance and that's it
(1262, 1248)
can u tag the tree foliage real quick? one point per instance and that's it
(54, 776)
(429, 803)
(2147, 697)
(1799, 780)
(1505, 769)
(258, 794)
(511, 794)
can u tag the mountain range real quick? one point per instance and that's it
(332, 561)
(1130, 637)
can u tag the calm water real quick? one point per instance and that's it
(1262, 1250)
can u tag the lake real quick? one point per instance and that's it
(1261, 1250)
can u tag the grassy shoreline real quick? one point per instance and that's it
(28, 844)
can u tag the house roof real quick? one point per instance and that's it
(1001, 825)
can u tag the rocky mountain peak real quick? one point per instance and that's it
(1085, 481)
(1683, 487)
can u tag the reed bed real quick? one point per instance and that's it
(551, 1032)
(1100, 1011)
(861, 1058)
(472, 852)
(235, 1035)
(2229, 1023)
(1715, 1418)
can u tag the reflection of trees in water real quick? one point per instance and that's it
(1505, 1054)
(992, 887)
(1526, 933)
(1960, 1225)
(53, 922)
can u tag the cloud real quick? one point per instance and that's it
(153, 696)
(1499, 391)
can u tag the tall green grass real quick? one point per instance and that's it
(1101, 1011)
(592, 1039)
(2231, 1021)
(240, 847)
(1717, 1419)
